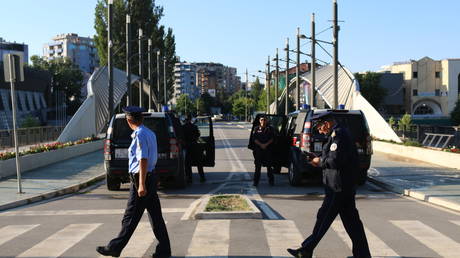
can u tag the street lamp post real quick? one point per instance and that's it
(297, 72)
(164, 80)
(277, 74)
(268, 85)
(141, 71)
(128, 62)
(335, 42)
(109, 57)
(150, 72)
(286, 106)
(158, 81)
(313, 62)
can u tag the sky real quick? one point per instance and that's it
(243, 33)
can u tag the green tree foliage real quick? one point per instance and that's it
(185, 105)
(370, 88)
(146, 15)
(405, 123)
(455, 114)
(391, 122)
(239, 107)
(204, 104)
(66, 78)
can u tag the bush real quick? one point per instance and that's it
(412, 143)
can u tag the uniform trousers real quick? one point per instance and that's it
(133, 213)
(262, 158)
(188, 165)
(343, 204)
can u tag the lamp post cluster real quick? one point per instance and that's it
(297, 63)
(129, 55)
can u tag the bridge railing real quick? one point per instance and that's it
(28, 136)
(419, 133)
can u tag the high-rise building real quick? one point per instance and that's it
(80, 50)
(185, 81)
(14, 48)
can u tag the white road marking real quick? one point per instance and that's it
(281, 234)
(80, 212)
(457, 222)
(211, 238)
(430, 237)
(61, 241)
(9, 232)
(140, 242)
(376, 245)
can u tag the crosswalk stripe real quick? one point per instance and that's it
(80, 212)
(61, 241)
(428, 236)
(140, 241)
(457, 222)
(281, 234)
(9, 232)
(376, 245)
(211, 238)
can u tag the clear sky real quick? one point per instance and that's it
(242, 33)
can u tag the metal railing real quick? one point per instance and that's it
(28, 136)
(425, 134)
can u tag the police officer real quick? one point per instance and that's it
(191, 136)
(338, 160)
(142, 159)
(263, 138)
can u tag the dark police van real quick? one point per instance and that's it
(297, 138)
(170, 166)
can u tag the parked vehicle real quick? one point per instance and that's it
(171, 155)
(298, 138)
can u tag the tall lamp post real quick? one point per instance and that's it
(164, 80)
(277, 76)
(128, 62)
(286, 106)
(141, 70)
(109, 57)
(158, 81)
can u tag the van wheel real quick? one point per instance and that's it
(113, 184)
(294, 175)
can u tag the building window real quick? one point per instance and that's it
(423, 110)
(414, 92)
(437, 74)
(414, 75)
(437, 92)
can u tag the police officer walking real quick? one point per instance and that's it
(339, 160)
(191, 136)
(263, 138)
(143, 156)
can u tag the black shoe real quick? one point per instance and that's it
(104, 250)
(300, 253)
(161, 255)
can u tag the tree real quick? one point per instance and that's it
(391, 122)
(145, 14)
(370, 88)
(405, 123)
(455, 114)
(204, 103)
(66, 78)
(185, 105)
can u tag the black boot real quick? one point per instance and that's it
(300, 253)
(104, 250)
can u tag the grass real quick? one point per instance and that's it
(227, 203)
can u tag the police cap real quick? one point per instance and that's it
(133, 111)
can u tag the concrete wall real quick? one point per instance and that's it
(440, 158)
(33, 161)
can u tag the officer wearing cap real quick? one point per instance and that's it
(338, 161)
(142, 155)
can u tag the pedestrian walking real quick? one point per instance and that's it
(263, 138)
(339, 161)
(193, 152)
(143, 195)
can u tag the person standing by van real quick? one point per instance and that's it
(263, 137)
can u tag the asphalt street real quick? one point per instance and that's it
(73, 225)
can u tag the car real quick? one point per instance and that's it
(298, 138)
(171, 154)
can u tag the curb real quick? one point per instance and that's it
(253, 214)
(418, 195)
(52, 194)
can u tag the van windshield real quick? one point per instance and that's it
(122, 132)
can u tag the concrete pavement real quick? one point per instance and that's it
(423, 181)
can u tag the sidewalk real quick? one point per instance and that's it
(423, 181)
(54, 180)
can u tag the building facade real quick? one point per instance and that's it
(80, 50)
(14, 48)
(185, 81)
(431, 87)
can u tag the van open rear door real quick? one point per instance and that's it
(206, 143)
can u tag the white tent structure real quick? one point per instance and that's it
(349, 95)
(93, 115)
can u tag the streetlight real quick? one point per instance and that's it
(158, 80)
(141, 71)
(164, 80)
(109, 58)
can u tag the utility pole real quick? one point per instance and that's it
(313, 62)
(268, 86)
(109, 57)
(149, 61)
(246, 92)
(297, 72)
(128, 61)
(286, 106)
(335, 42)
(158, 82)
(277, 76)
(164, 80)
(141, 71)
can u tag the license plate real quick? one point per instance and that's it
(121, 153)
(318, 146)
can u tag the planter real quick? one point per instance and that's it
(253, 213)
(440, 158)
(33, 161)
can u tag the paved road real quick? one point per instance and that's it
(74, 225)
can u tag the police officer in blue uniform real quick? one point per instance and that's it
(263, 138)
(339, 160)
(143, 156)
